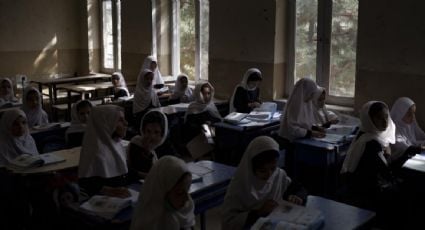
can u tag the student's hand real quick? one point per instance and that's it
(120, 192)
(335, 121)
(254, 104)
(317, 134)
(267, 207)
(295, 199)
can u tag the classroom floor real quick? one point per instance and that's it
(212, 218)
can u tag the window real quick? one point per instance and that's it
(323, 45)
(111, 35)
(189, 36)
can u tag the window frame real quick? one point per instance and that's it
(175, 37)
(323, 53)
(115, 34)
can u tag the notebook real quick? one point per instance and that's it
(291, 216)
(29, 161)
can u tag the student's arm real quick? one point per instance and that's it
(295, 192)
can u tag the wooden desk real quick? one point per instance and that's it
(82, 89)
(339, 215)
(51, 84)
(232, 140)
(71, 156)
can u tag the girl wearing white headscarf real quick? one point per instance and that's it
(182, 92)
(203, 104)
(145, 96)
(151, 63)
(80, 112)
(14, 136)
(368, 168)
(7, 94)
(257, 186)
(153, 132)
(103, 161)
(164, 202)
(120, 87)
(31, 105)
(300, 117)
(409, 136)
(326, 118)
(201, 111)
(246, 95)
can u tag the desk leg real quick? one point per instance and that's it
(68, 113)
(203, 224)
(55, 94)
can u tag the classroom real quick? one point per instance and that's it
(211, 114)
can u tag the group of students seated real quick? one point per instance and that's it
(370, 170)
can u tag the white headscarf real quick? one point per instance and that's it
(101, 155)
(300, 112)
(151, 212)
(199, 105)
(357, 147)
(35, 116)
(11, 96)
(243, 84)
(246, 192)
(179, 92)
(157, 77)
(138, 139)
(322, 114)
(12, 146)
(144, 96)
(76, 125)
(121, 84)
(406, 134)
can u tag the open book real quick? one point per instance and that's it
(260, 116)
(198, 171)
(29, 161)
(108, 207)
(47, 126)
(417, 162)
(267, 107)
(235, 117)
(291, 216)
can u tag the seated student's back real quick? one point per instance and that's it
(103, 166)
(164, 202)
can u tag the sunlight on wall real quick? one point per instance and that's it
(47, 61)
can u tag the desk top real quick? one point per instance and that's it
(253, 126)
(71, 156)
(82, 88)
(51, 127)
(339, 215)
(73, 79)
(221, 173)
